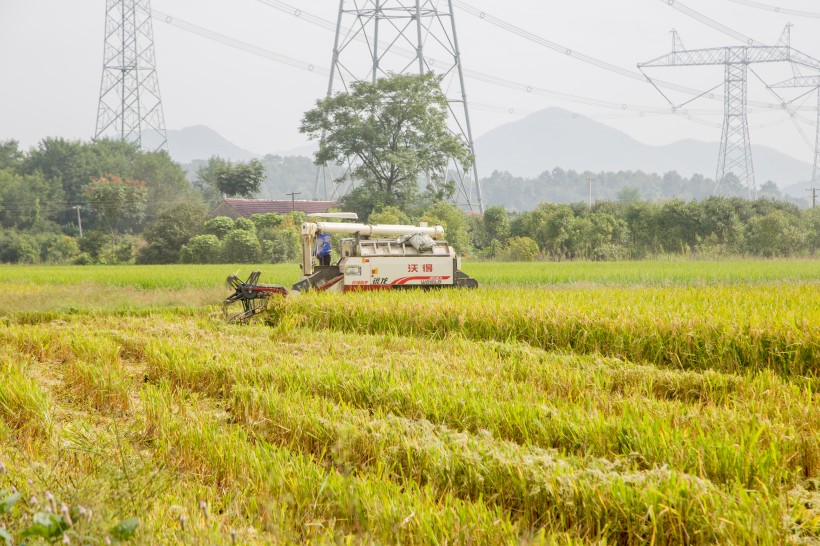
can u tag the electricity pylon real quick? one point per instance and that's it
(130, 108)
(375, 38)
(814, 83)
(735, 145)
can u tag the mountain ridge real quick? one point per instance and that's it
(558, 138)
(550, 138)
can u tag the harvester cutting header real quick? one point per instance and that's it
(375, 257)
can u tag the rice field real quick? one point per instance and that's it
(633, 403)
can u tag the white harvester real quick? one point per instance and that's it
(373, 257)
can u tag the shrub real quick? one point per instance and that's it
(58, 248)
(19, 248)
(520, 249)
(83, 258)
(201, 249)
(281, 246)
(172, 228)
(389, 215)
(271, 220)
(241, 246)
(245, 224)
(219, 226)
(93, 244)
(775, 234)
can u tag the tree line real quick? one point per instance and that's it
(138, 206)
(109, 202)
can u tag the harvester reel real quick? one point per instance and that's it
(249, 298)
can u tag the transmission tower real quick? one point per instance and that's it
(735, 145)
(375, 38)
(130, 108)
(812, 82)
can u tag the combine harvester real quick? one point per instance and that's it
(376, 257)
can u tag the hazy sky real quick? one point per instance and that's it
(51, 65)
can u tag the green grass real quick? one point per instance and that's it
(636, 405)
(488, 273)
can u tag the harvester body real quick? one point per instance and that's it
(374, 257)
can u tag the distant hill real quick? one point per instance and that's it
(201, 142)
(542, 141)
(305, 151)
(557, 138)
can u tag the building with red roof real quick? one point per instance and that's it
(245, 208)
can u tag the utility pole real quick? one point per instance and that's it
(79, 219)
(293, 195)
(813, 191)
(589, 181)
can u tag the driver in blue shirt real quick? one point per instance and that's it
(322, 249)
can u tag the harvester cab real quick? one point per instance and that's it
(374, 257)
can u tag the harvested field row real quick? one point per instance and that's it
(539, 442)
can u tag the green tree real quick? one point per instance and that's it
(811, 222)
(29, 201)
(172, 228)
(18, 248)
(266, 221)
(282, 246)
(629, 194)
(219, 226)
(678, 225)
(10, 155)
(389, 215)
(492, 228)
(769, 189)
(116, 200)
(395, 132)
(520, 249)
(92, 245)
(245, 223)
(454, 223)
(775, 234)
(241, 246)
(551, 226)
(55, 248)
(201, 249)
(74, 164)
(242, 179)
(205, 181)
(165, 181)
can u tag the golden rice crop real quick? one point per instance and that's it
(666, 414)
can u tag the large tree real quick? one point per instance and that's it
(117, 201)
(394, 132)
(74, 164)
(167, 234)
(242, 179)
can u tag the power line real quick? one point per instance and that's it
(240, 45)
(510, 84)
(495, 80)
(777, 9)
(472, 74)
(720, 27)
(639, 111)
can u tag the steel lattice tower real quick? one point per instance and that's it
(130, 107)
(814, 83)
(375, 38)
(735, 146)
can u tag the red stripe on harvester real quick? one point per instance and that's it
(405, 280)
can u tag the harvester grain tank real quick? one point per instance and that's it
(373, 257)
